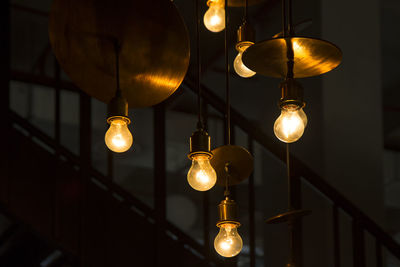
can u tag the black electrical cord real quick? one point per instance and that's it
(228, 104)
(200, 123)
(290, 25)
(246, 11)
(117, 48)
(288, 176)
(284, 22)
(287, 21)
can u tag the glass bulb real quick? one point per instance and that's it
(239, 66)
(214, 18)
(228, 242)
(201, 175)
(118, 137)
(290, 125)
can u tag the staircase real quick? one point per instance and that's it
(71, 204)
(63, 208)
(89, 217)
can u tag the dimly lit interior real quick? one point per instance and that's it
(158, 133)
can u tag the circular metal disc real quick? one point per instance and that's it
(154, 42)
(288, 216)
(312, 57)
(241, 3)
(240, 164)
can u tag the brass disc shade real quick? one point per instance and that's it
(240, 163)
(288, 216)
(154, 52)
(312, 57)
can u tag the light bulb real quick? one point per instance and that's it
(239, 66)
(118, 137)
(201, 175)
(228, 242)
(214, 18)
(290, 125)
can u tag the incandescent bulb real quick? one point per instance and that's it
(239, 66)
(303, 116)
(290, 125)
(228, 242)
(118, 137)
(201, 175)
(214, 18)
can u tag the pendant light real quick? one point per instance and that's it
(214, 18)
(245, 38)
(290, 57)
(293, 216)
(233, 164)
(290, 125)
(228, 243)
(201, 175)
(118, 138)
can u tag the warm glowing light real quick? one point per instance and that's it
(214, 18)
(118, 137)
(201, 175)
(290, 125)
(239, 66)
(228, 242)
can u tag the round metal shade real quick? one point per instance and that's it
(239, 160)
(312, 57)
(154, 54)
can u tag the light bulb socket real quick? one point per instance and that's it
(118, 108)
(292, 94)
(200, 144)
(227, 211)
(216, 2)
(245, 36)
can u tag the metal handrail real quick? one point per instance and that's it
(272, 146)
(128, 198)
(301, 168)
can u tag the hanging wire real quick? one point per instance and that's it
(246, 14)
(117, 48)
(290, 222)
(228, 101)
(284, 22)
(227, 192)
(290, 25)
(288, 176)
(200, 123)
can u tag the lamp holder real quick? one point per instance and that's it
(292, 94)
(200, 143)
(245, 36)
(219, 2)
(118, 108)
(227, 211)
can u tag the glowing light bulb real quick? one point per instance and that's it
(201, 175)
(228, 242)
(239, 66)
(214, 18)
(290, 125)
(118, 137)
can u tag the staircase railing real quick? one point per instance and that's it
(126, 198)
(361, 222)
